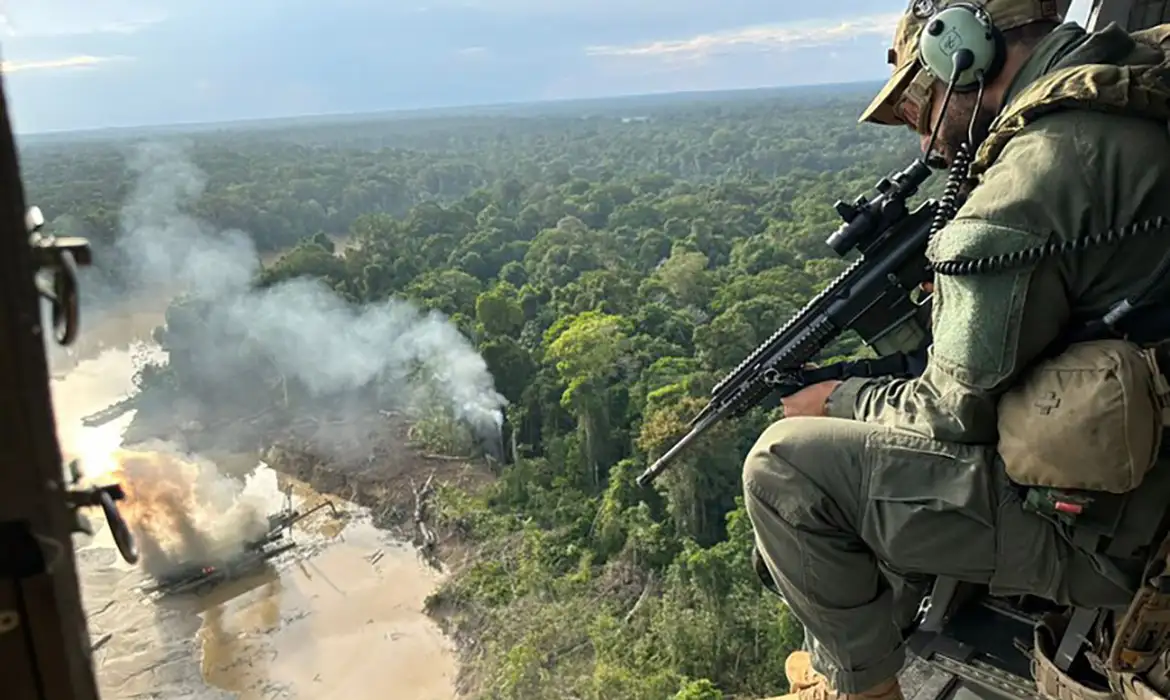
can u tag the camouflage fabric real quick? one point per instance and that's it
(904, 475)
(829, 498)
(1141, 88)
(1038, 190)
(1137, 669)
(904, 97)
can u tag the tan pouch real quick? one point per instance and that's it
(1139, 650)
(1051, 682)
(1089, 418)
(1131, 686)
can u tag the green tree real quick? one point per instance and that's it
(587, 349)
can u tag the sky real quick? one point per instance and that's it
(80, 64)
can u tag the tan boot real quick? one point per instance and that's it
(798, 668)
(807, 684)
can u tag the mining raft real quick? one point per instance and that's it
(198, 578)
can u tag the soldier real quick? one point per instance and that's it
(869, 487)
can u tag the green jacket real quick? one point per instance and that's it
(1065, 160)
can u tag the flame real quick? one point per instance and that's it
(182, 510)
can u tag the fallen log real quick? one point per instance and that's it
(426, 538)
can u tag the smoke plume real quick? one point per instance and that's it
(167, 250)
(182, 511)
(292, 351)
(233, 342)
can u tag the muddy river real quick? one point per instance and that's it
(339, 616)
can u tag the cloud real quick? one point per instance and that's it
(8, 67)
(35, 31)
(762, 37)
(73, 18)
(215, 60)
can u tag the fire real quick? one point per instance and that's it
(182, 510)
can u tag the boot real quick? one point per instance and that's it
(798, 668)
(807, 684)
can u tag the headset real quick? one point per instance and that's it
(962, 39)
(961, 47)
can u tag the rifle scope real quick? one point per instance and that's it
(865, 220)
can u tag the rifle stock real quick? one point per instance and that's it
(872, 297)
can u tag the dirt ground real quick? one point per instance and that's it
(388, 482)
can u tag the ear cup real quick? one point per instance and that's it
(956, 28)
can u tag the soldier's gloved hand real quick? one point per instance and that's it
(809, 401)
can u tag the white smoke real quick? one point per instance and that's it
(305, 328)
(167, 249)
(183, 511)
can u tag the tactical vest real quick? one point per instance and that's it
(1134, 90)
(1142, 635)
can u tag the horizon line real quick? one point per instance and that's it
(437, 108)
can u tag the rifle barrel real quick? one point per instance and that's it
(701, 427)
(871, 296)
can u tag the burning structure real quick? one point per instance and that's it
(196, 527)
(199, 577)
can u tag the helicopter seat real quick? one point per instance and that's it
(1124, 532)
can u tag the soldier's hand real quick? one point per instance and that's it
(809, 401)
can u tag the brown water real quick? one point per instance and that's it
(120, 329)
(338, 617)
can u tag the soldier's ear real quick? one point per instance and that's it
(962, 27)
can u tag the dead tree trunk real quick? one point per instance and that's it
(425, 538)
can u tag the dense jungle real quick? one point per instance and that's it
(609, 261)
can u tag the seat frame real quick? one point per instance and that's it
(954, 632)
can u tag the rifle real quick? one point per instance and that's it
(873, 297)
(45, 648)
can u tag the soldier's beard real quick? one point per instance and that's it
(957, 125)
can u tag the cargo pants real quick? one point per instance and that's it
(848, 515)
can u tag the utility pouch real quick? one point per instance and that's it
(1088, 419)
(1143, 634)
(1141, 639)
(1053, 683)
